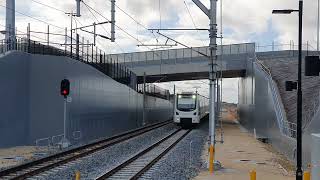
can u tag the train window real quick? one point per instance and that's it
(186, 102)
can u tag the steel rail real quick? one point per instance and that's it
(140, 154)
(36, 167)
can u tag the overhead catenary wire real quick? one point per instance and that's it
(136, 21)
(31, 17)
(88, 7)
(193, 22)
(48, 6)
(183, 45)
(127, 33)
(62, 11)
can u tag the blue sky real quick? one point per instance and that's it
(243, 21)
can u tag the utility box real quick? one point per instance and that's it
(315, 156)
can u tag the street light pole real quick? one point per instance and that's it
(299, 172)
(318, 24)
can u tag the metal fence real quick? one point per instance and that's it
(151, 89)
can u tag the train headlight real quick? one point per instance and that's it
(194, 96)
(179, 96)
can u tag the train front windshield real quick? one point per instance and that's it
(186, 102)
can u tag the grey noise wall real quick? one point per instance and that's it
(32, 108)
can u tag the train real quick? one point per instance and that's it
(190, 108)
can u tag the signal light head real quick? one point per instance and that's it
(64, 92)
(65, 88)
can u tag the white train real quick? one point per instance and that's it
(190, 108)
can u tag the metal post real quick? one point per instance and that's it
(88, 50)
(28, 38)
(48, 34)
(212, 14)
(71, 36)
(100, 60)
(96, 54)
(78, 8)
(299, 173)
(144, 100)
(94, 33)
(92, 54)
(174, 96)
(10, 23)
(82, 49)
(213, 48)
(113, 21)
(65, 142)
(65, 41)
(77, 47)
(318, 24)
(65, 118)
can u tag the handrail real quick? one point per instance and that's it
(286, 128)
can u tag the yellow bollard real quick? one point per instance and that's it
(306, 175)
(253, 175)
(77, 175)
(211, 160)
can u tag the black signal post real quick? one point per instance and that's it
(299, 172)
(65, 91)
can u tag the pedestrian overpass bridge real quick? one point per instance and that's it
(186, 63)
(192, 63)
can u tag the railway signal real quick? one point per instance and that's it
(65, 88)
(65, 91)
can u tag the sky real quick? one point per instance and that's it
(243, 21)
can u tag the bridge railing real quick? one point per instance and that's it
(291, 46)
(183, 53)
(286, 128)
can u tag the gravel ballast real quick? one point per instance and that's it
(183, 161)
(98, 163)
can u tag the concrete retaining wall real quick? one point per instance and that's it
(32, 108)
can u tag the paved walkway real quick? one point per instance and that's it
(241, 153)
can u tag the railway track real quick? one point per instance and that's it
(34, 168)
(136, 166)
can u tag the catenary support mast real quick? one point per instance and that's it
(212, 14)
(10, 23)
